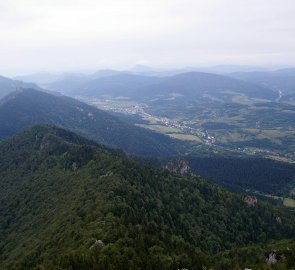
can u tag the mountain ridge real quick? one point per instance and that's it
(8, 86)
(189, 83)
(36, 107)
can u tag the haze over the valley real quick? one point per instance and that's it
(86, 35)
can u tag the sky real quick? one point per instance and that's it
(82, 35)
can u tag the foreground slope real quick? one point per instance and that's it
(69, 203)
(28, 107)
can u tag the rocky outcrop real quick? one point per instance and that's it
(179, 166)
(271, 258)
(250, 200)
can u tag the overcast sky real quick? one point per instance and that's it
(68, 35)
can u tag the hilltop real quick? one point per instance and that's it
(8, 86)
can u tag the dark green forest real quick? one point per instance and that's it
(68, 203)
(246, 173)
(237, 173)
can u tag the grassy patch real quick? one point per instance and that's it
(185, 137)
(162, 129)
(289, 202)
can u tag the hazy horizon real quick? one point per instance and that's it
(66, 36)
(207, 69)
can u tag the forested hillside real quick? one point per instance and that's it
(27, 107)
(67, 203)
(246, 173)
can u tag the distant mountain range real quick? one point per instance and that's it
(115, 85)
(27, 107)
(195, 84)
(189, 85)
(43, 78)
(142, 80)
(283, 79)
